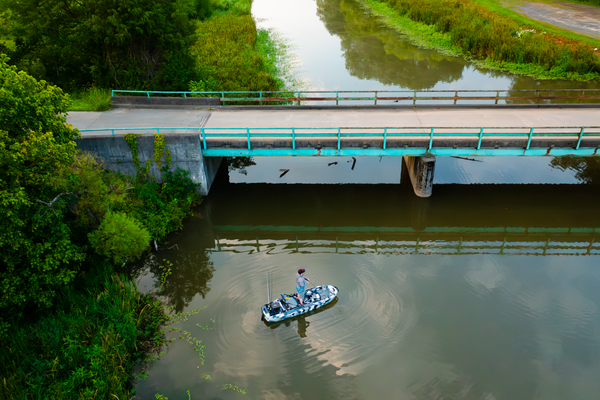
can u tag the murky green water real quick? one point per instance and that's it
(482, 291)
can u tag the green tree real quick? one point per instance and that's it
(37, 255)
(28, 105)
(120, 237)
(121, 43)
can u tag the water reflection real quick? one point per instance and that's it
(587, 169)
(190, 275)
(375, 52)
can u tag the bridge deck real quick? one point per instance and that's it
(456, 117)
(451, 137)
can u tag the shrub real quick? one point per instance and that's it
(120, 237)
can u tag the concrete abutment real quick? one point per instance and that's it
(420, 170)
(185, 152)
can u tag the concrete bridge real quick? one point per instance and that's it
(199, 138)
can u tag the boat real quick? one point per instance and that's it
(288, 306)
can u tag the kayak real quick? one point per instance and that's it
(288, 306)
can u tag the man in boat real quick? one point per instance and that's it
(301, 284)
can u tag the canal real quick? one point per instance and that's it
(487, 290)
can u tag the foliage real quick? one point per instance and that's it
(86, 348)
(37, 255)
(28, 105)
(125, 43)
(90, 99)
(98, 189)
(120, 237)
(226, 46)
(475, 31)
(162, 208)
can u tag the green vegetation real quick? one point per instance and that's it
(465, 28)
(91, 99)
(85, 346)
(85, 47)
(70, 325)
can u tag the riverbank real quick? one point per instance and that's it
(227, 41)
(490, 39)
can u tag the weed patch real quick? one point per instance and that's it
(462, 27)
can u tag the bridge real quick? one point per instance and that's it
(417, 134)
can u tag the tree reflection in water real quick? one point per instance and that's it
(373, 51)
(190, 275)
(587, 169)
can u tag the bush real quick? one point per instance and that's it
(120, 237)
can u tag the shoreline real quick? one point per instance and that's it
(427, 36)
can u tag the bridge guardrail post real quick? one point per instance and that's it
(529, 140)
(497, 97)
(248, 135)
(580, 137)
(414, 98)
(339, 137)
(203, 138)
(293, 138)
(384, 137)
(375, 97)
(430, 140)
(337, 98)
(480, 137)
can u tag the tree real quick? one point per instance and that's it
(121, 43)
(28, 105)
(37, 255)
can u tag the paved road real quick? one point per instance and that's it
(459, 117)
(578, 18)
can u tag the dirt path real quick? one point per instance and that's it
(574, 17)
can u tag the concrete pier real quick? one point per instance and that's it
(421, 170)
(185, 152)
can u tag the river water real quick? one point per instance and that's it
(483, 291)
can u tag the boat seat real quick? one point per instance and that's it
(290, 301)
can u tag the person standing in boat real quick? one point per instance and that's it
(301, 284)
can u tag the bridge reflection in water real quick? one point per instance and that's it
(388, 241)
(390, 219)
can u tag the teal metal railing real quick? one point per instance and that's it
(385, 133)
(388, 96)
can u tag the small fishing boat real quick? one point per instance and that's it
(288, 306)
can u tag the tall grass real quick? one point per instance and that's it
(496, 39)
(90, 99)
(85, 348)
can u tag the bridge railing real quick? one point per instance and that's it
(388, 97)
(384, 134)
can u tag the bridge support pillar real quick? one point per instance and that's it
(420, 170)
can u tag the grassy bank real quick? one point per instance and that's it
(230, 55)
(491, 39)
(86, 346)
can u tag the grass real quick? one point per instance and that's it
(86, 347)
(233, 56)
(502, 8)
(91, 99)
(492, 40)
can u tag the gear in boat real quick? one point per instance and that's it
(288, 306)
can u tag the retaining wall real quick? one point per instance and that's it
(185, 151)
